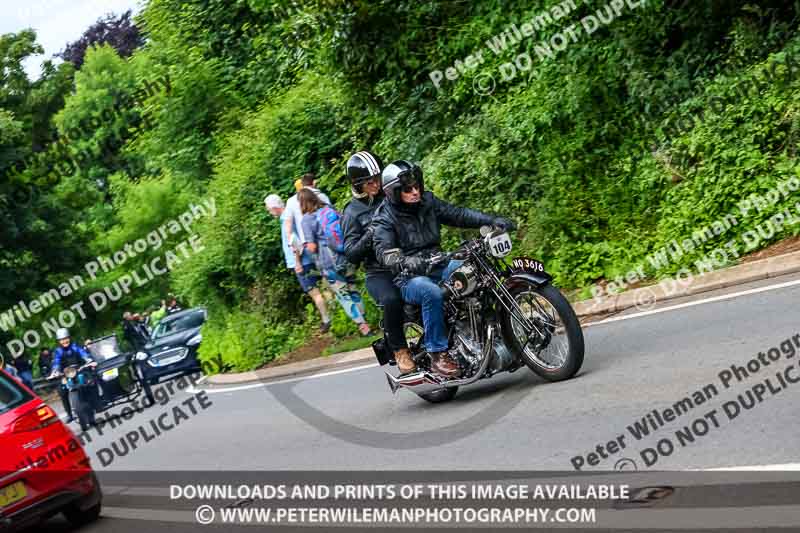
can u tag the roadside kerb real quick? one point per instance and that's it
(745, 273)
(736, 275)
(311, 366)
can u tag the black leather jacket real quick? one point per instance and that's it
(358, 247)
(416, 229)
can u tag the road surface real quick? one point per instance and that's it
(635, 364)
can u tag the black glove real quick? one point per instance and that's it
(504, 224)
(414, 265)
(366, 238)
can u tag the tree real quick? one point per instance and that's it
(118, 32)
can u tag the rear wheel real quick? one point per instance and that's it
(440, 396)
(544, 331)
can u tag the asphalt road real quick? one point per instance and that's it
(634, 365)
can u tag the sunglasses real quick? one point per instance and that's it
(410, 187)
(375, 178)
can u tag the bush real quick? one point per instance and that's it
(247, 341)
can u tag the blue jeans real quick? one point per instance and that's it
(27, 378)
(347, 295)
(424, 291)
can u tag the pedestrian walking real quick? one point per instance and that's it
(324, 239)
(298, 260)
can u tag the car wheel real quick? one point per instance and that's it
(79, 518)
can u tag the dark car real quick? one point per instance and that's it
(172, 349)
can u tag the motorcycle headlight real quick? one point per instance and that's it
(141, 356)
(194, 341)
(70, 372)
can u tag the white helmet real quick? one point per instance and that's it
(62, 333)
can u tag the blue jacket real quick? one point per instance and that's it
(69, 355)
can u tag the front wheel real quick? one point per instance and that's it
(79, 518)
(83, 408)
(543, 331)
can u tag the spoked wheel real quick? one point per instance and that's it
(543, 330)
(415, 335)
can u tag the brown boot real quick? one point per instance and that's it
(443, 364)
(405, 363)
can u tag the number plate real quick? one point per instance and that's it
(108, 375)
(528, 265)
(168, 361)
(12, 493)
(500, 245)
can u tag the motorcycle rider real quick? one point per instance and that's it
(407, 234)
(364, 172)
(67, 353)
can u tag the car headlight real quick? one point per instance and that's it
(194, 341)
(141, 356)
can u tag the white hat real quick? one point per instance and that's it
(273, 201)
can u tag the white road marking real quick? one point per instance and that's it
(698, 302)
(192, 390)
(786, 467)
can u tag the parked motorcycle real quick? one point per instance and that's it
(500, 315)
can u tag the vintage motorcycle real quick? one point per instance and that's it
(116, 379)
(500, 315)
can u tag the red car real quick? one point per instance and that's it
(43, 467)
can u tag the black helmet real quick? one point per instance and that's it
(362, 167)
(400, 173)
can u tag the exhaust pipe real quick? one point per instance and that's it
(419, 382)
(424, 382)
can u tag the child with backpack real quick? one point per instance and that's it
(324, 237)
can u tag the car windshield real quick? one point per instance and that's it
(105, 348)
(168, 327)
(11, 394)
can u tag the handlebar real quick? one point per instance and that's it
(441, 257)
(462, 251)
(57, 375)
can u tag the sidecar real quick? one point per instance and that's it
(118, 376)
